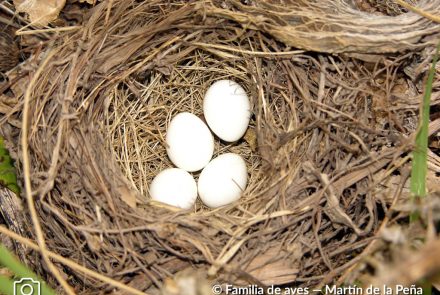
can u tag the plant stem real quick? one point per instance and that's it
(420, 165)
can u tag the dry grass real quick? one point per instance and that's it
(327, 150)
(137, 114)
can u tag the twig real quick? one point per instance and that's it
(21, 32)
(419, 11)
(249, 52)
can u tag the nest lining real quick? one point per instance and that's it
(136, 124)
(327, 132)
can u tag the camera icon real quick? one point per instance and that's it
(27, 286)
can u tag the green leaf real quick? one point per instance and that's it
(25, 277)
(8, 177)
(420, 164)
(426, 286)
(6, 286)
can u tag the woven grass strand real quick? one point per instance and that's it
(101, 111)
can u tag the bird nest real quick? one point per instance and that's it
(326, 149)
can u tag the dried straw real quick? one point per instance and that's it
(326, 151)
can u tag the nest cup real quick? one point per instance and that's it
(102, 99)
(109, 108)
(137, 117)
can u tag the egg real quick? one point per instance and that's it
(175, 187)
(223, 180)
(227, 110)
(190, 143)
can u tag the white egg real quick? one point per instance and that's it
(223, 180)
(175, 187)
(227, 110)
(190, 143)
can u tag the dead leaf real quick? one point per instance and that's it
(411, 266)
(19, 87)
(5, 108)
(41, 12)
(164, 70)
(274, 266)
(93, 242)
(127, 195)
(251, 138)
